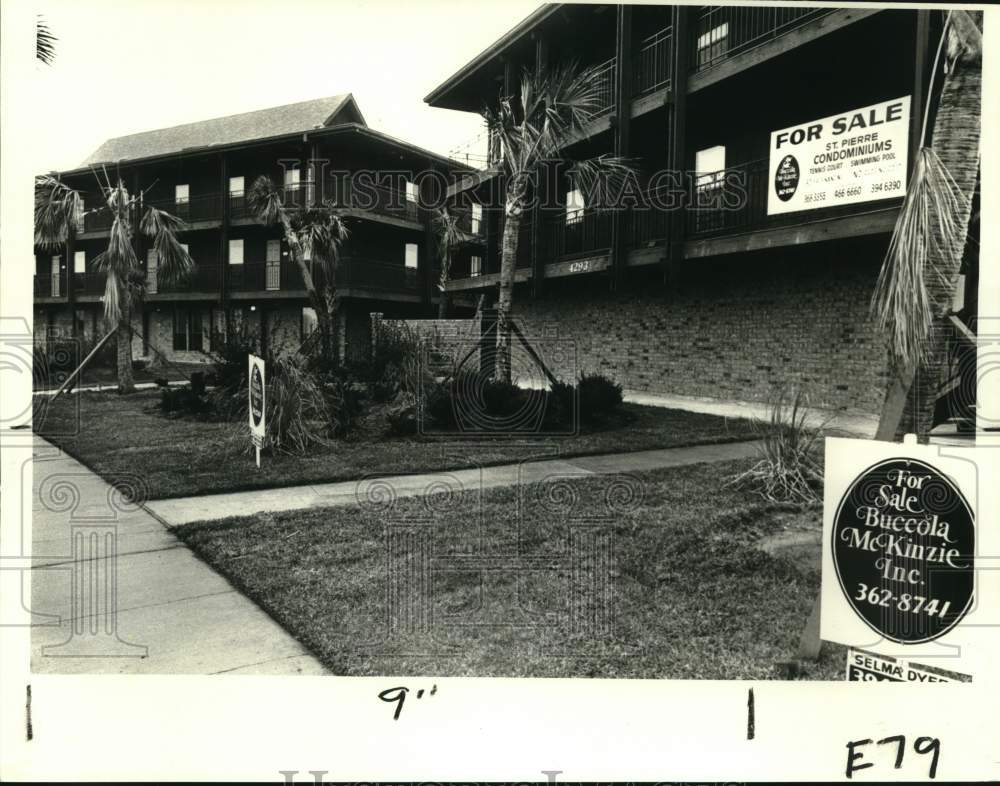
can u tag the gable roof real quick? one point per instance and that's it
(273, 121)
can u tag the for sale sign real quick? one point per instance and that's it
(899, 548)
(256, 404)
(856, 156)
(866, 667)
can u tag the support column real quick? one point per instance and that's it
(677, 138)
(921, 66)
(224, 237)
(620, 219)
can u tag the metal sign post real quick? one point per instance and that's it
(257, 405)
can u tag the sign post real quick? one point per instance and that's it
(257, 406)
(899, 555)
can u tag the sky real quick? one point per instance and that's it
(123, 67)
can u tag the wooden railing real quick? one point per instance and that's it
(50, 285)
(585, 234)
(201, 207)
(651, 63)
(723, 31)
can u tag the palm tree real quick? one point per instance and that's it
(914, 292)
(58, 213)
(552, 111)
(313, 234)
(449, 237)
(45, 41)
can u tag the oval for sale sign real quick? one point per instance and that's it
(256, 395)
(903, 546)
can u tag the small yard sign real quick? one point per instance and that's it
(899, 550)
(866, 667)
(257, 408)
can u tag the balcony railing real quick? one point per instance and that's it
(723, 31)
(368, 196)
(92, 282)
(584, 234)
(651, 63)
(201, 207)
(203, 278)
(266, 277)
(729, 200)
(50, 285)
(369, 273)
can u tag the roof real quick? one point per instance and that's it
(261, 123)
(495, 50)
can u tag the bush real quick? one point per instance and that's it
(397, 364)
(788, 468)
(599, 397)
(183, 401)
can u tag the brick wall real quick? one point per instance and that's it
(734, 327)
(452, 339)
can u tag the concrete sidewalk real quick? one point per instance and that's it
(137, 603)
(185, 510)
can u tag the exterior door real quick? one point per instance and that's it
(55, 270)
(152, 263)
(273, 266)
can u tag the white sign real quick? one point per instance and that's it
(899, 552)
(256, 409)
(866, 667)
(856, 156)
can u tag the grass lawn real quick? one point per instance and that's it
(695, 591)
(120, 436)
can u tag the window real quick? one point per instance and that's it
(293, 176)
(236, 185)
(411, 191)
(411, 256)
(574, 206)
(79, 261)
(187, 329)
(236, 251)
(477, 218)
(475, 266)
(709, 167)
(182, 194)
(713, 44)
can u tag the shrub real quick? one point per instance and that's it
(183, 401)
(599, 397)
(788, 466)
(397, 364)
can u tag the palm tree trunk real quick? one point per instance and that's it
(443, 297)
(126, 382)
(318, 303)
(956, 138)
(508, 264)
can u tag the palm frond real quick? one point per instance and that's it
(320, 231)
(601, 179)
(118, 261)
(57, 208)
(924, 256)
(45, 41)
(265, 200)
(172, 259)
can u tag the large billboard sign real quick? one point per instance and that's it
(856, 156)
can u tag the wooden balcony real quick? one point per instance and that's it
(49, 286)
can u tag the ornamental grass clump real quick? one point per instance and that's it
(788, 468)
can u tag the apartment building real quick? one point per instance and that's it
(812, 114)
(201, 172)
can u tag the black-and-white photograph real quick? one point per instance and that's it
(504, 340)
